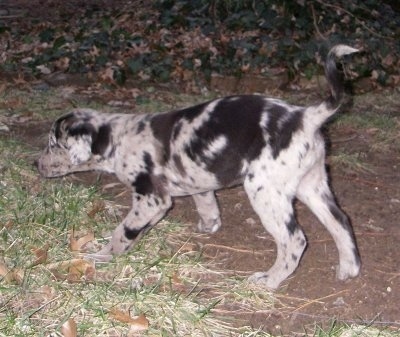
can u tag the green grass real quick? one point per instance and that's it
(161, 278)
(351, 162)
(375, 115)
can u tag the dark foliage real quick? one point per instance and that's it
(180, 40)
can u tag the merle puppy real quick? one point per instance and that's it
(274, 149)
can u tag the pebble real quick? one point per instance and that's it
(339, 302)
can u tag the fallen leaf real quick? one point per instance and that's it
(5, 273)
(73, 270)
(69, 328)
(107, 75)
(140, 323)
(77, 244)
(98, 206)
(11, 276)
(120, 316)
(20, 80)
(78, 269)
(137, 323)
(41, 255)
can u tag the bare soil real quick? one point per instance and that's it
(311, 295)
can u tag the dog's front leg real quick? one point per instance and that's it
(147, 211)
(207, 207)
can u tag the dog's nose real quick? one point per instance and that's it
(36, 163)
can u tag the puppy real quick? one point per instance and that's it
(274, 149)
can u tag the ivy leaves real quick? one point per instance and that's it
(177, 40)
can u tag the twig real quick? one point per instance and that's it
(319, 300)
(316, 23)
(239, 250)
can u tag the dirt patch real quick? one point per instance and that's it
(312, 295)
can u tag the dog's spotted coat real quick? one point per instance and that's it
(274, 149)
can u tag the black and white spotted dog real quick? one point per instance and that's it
(274, 149)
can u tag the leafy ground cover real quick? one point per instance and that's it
(189, 41)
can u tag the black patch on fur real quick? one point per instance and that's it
(81, 129)
(101, 140)
(166, 125)
(140, 127)
(342, 218)
(132, 234)
(281, 126)
(149, 165)
(178, 164)
(237, 118)
(292, 225)
(143, 184)
(59, 122)
(177, 130)
(357, 256)
(338, 214)
(146, 182)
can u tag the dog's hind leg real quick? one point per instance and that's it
(314, 191)
(207, 207)
(274, 206)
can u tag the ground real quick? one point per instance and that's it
(369, 192)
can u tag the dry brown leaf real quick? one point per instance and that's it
(73, 270)
(107, 75)
(40, 254)
(9, 224)
(20, 80)
(5, 273)
(69, 328)
(11, 276)
(120, 316)
(78, 269)
(137, 323)
(77, 244)
(62, 63)
(140, 323)
(98, 206)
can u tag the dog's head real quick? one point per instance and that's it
(74, 140)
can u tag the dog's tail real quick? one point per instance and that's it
(335, 82)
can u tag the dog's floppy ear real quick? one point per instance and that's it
(79, 141)
(81, 137)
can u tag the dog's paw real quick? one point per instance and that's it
(103, 255)
(347, 271)
(210, 227)
(264, 280)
